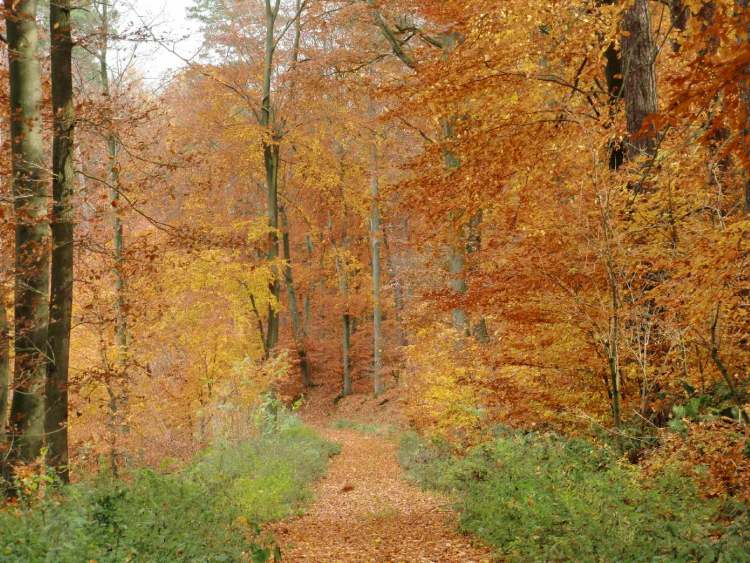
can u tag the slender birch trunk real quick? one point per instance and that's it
(63, 189)
(30, 195)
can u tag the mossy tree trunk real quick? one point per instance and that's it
(30, 195)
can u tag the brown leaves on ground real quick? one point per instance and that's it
(381, 518)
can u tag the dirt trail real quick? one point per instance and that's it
(364, 511)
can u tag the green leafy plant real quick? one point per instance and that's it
(544, 498)
(210, 511)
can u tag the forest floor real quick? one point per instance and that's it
(366, 511)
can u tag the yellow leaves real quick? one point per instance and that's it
(443, 398)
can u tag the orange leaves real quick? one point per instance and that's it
(715, 454)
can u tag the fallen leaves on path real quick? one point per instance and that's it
(366, 512)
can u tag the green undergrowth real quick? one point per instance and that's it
(370, 429)
(545, 498)
(209, 511)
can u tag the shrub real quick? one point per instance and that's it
(210, 511)
(544, 498)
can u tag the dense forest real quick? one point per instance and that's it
(512, 236)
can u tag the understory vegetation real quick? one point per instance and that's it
(210, 510)
(365, 428)
(542, 497)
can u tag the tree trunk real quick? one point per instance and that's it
(117, 397)
(377, 307)
(341, 272)
(398, 290)
(639, 79)
(271, 160)
(745, 93)
(308, 302)
(612, 343)
(297, 327)
(457, 284)
(63, 188)
(4, 367)
(113, 149)
(474, 246)
(30, 196)
(346, 354)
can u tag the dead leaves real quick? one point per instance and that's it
(365, 511)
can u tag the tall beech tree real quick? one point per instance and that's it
(63, 221)
(30, 195)
(105, 13)
(271, 159)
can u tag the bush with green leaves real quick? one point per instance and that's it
(545, 498)
(210, 511)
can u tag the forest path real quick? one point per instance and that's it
(364, 511)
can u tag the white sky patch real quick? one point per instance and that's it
(168, 21)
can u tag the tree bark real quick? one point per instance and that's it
(346, 354)
(30, 196)
(612, 343)
(639, 79)
(117, 397)
(745, 92)
(271, 160)
(4, 368)
(457, 284)
(297, 326)
(63, 188)
(377, 305)
(398, 289)
(113, 173)
(346, 318)
(308, 302)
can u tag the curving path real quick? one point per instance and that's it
(366, 512)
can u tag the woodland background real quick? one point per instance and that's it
(519, 214)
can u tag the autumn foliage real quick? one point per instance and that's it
(547, 204)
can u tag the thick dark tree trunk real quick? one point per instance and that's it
(639, 79)
(271, 161)
(63, 186)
